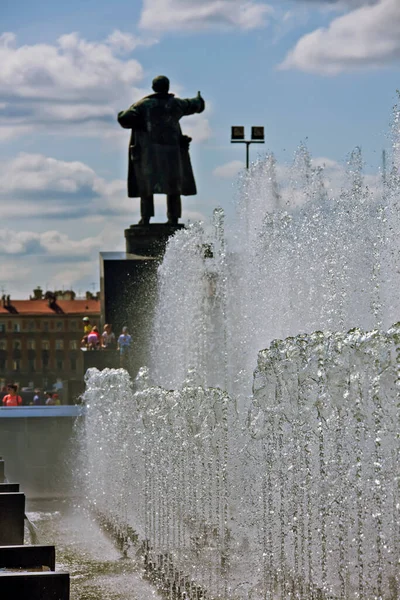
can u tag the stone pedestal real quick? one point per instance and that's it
(128, 286)
(2, 474)
(149, 240)
(12, 514)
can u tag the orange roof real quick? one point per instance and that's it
(41, 307)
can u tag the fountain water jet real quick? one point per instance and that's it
(291, 492)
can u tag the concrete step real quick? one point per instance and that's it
(9, 487)
(27, 557)
(12, 514)
(34, 586)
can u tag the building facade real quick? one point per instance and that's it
(40, 338)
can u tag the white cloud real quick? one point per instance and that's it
(74, 86)
(40, 187)
(51, 243)
(365, 37)
(179, 15)
(197, 127)
(126, 42)
(88, 214)
(229, 170)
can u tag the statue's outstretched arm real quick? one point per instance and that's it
(190, 106)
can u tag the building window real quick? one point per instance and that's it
(17, 344)
(45, 345)
(16, 326)
(59, 344)
(31, 344)
(73, 325)
(31, 325)
(59, 364)
(16, 364)
(2, 327)
(45, 325)
(73, 364)
(3, 363)
(3, 345)
(31, 364)
(59, 325)
(73, 344)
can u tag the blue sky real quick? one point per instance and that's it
(322, 71)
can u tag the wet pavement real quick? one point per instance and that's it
(97, 569)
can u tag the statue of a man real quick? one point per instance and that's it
(159, 161)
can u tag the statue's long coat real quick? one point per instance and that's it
(159, 161)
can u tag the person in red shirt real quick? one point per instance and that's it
(12, 398)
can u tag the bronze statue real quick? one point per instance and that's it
(159, 161)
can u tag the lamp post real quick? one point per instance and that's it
(238, 137)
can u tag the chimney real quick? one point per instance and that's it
(3, 301)
(38, 293)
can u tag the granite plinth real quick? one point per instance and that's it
(12, 514)
(34, 586)
(149, 240)
(27, 557)
(9, 487)
(128, 286)
(128, 291)
(101, 359)
(2, 475)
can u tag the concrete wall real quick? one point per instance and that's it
(37, 444)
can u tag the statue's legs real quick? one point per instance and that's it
(146, 209)
(174, 208)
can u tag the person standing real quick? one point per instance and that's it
(124, 347)
(12, 398)
(93, 339)
(37, 400)
(87, 327)
(108, 337)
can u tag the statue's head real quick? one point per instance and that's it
(160, 84)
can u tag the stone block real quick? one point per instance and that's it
(9, 487)
(2, 474)
(12, 515)
(27, 557)
(34, 586)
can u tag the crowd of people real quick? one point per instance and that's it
(92, 340)
(11, 397)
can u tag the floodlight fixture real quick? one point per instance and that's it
(237, 132)
(238, 137)
(257, 133)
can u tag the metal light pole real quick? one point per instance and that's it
(257, 137)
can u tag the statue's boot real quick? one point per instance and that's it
(146, 209)
(174, 209)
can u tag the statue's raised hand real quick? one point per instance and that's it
(202, 103)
